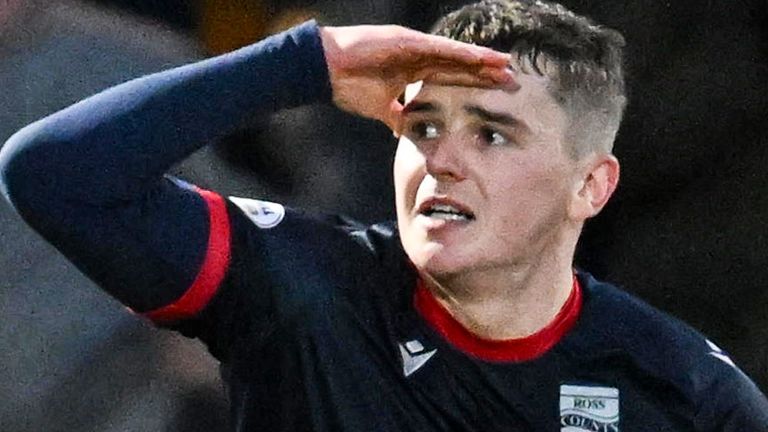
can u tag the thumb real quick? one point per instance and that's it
(394, 117)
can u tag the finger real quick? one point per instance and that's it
(504, 76)
(472, 77)
(497, 73)
(394, 117)
(438, 47)
(459, 79)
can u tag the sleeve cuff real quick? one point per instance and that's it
(212, 271)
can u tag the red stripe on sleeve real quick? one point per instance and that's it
(211, 272)
(509, 350)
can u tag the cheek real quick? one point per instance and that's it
(527, 189)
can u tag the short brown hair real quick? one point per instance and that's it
(583, 60)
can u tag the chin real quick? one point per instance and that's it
(436, 259)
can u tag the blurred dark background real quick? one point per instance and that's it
(686, 230)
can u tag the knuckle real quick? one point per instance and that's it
(396, 30)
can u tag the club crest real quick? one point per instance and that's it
(587, 408)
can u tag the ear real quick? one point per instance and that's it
(598, 180)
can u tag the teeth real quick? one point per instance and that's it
(446, 212)
(449, 216)
(445, 208)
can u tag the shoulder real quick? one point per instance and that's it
(624, 317)
(664, 348)
(299, 274)
(302, 243)
(654, 338)
(266, 218)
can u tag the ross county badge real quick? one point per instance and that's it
(588, 408)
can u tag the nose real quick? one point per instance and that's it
(445, 160)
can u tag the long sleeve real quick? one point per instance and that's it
(90, 178)
(732, 402)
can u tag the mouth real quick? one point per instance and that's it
(445, 209)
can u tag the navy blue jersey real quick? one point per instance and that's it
(321, 323)
(324, 327)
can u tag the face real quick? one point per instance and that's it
(482, 177)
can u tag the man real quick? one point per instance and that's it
(470, 317)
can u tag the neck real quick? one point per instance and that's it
(509, 302)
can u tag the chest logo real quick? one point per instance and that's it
(414, 356)
(586, 408)
(264, 214)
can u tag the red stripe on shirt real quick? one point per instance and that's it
(211, 272)
(508, 350)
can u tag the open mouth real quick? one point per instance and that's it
(447, 212)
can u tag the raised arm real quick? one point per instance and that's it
(105, 149)
(90, 177)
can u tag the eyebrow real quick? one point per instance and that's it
(495, 117)
(475, 110)
(415, 106)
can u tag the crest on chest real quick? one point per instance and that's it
(587, 408)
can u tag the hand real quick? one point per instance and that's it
(370, 66)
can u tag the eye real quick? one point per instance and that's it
(493, 137)
(424, 130)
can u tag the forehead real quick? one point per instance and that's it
(532, 103)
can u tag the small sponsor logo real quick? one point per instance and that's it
(264, 214)
(414, 356)
(586, 408)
